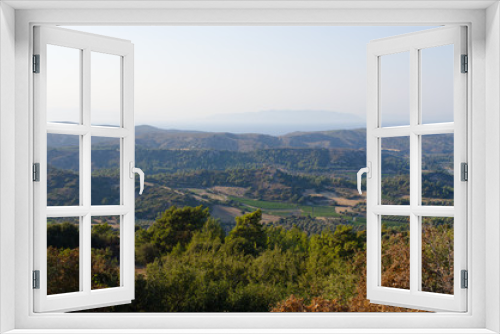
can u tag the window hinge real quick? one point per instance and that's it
(36, 172)
(465, 279)
(36, 63)
(465, 64)
(36, 279)
(464, 170)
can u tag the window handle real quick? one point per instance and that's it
(368, 171)
(139, 171)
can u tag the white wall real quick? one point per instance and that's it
(492, 165)
(7, 160)
(480, 146)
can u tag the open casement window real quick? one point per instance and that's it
(410, 112)
(83, 226)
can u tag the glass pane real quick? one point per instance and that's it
(105, 252)
(105, 89)
(105, 171)
(437, 255)
(437, 84)
(63, 166)
(437, 169)
(63, 84)
(395, 171)
(395, 252)
(63, 255)
(395, 89)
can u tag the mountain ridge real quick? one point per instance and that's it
(156, 138)
(150, 137)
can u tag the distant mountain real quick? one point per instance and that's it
(169, 151)
(273, 122)
(154, 138)
(149, 137)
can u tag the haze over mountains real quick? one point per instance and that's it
(271, 122)
(149, 137)
(153, 138)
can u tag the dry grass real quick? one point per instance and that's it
(230, 191)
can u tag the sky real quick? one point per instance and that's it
(188, 74)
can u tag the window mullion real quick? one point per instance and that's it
(414, 171)
(86, 168)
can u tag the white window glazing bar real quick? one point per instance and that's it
(414, 171)
(98, 131)
(422, 129)
(86, 231)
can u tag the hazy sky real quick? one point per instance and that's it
(193, 72)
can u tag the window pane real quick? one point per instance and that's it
(105, 171)
(395, 171)
(437, 170)
(63, 166)
(63, 84)
(105, 89)
(437, 255)
(437, 84)
(395, 89)
(63, 255)
(395, 252)
(105, 252)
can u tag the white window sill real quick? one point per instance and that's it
(251, 331)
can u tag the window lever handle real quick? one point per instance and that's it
(139, 171)
(368, 172)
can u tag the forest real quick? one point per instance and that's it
(222, 227)
(186, 263)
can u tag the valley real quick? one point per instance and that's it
(302, 178)
(247, 222)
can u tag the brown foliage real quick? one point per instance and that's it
(437, 272)
(396, 260)
(105, 269)
(63, 273)
(437, 258)
(396, 273)
(359, 303)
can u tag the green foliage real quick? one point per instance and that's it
(185, 261)
(208, 239)
(248, 236)
(174, 228)
(63, 270)
(103, 236)
(254, 268)
(105, 185)
(63, 187)
(145, 251)
(283, 208)
(437, 255)
(65, 235)
(250, 270)
(105, 269)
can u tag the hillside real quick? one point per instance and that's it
(303, 178)
(149, 137)
(154, 138)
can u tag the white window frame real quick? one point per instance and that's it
(414, 43)
(483, 21)
(124, 51)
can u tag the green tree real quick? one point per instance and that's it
(103, 236)
(248, 236)
(176, 226)
(65, 235)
